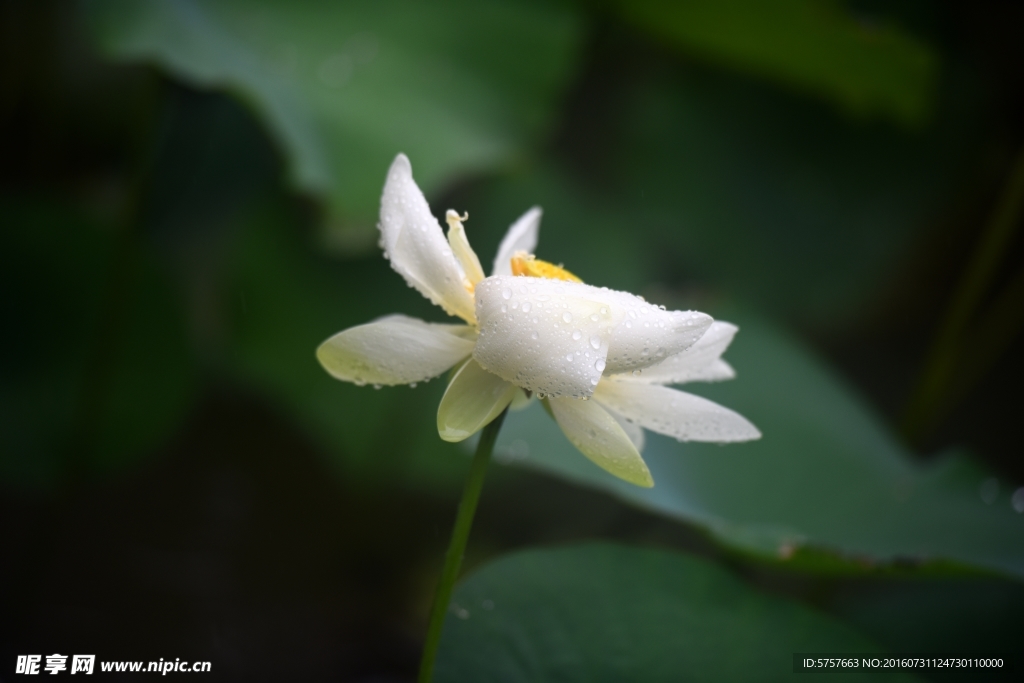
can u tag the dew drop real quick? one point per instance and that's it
(534, 336)
(506, 293)
(576, 334)
(504, 308)
(595, 341)
(599, 365)
(569, 357)
(567, 317)
(526, 307)
(595, 317)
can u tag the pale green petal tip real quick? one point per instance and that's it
(630, 468)
(640, 476)
(450, 434)
(473, 399)
(644, 478)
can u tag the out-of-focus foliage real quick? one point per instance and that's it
(612, 613)
(827, 474)
(803, 168)
(867, 66)
(294, 298)
(771, 198)
(97, 368)
(914, 616)
(459, 86)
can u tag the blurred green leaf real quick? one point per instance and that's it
(100, 370)
(826, 474)
(602, 612)
(937, 615)
(459, 86)
(777, 201)
(864, 64)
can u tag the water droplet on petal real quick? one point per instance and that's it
(599, 365)
(534, 336)
(595, 341)
(506, 293)
(576, 335)
(526, 307)
(567, 317)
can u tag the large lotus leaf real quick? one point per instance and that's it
(459, 86)
(866, 65)
(826, 475)
(96, 368)
(601, 612)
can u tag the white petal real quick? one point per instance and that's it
(394, 350)
(599, 437)
(522, 236)
(539, 349)
(647, 334)
(634, 431)
(416, 246)
(474, 397)
(699, 363)
(674, 413)
(542, 335)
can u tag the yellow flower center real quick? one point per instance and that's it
(531, 266)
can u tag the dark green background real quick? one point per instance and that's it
(187, 198)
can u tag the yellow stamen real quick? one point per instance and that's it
(531, 266)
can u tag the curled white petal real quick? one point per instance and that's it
(674, 413)
(557, 338)
(522, 236)
(599, 436)
(646, 334)
(416, 246)
(542, 335)
(700, 363)
(395, 350)
(474, 397)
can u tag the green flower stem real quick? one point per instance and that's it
(457, 545)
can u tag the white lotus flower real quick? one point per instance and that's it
(534, 327)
